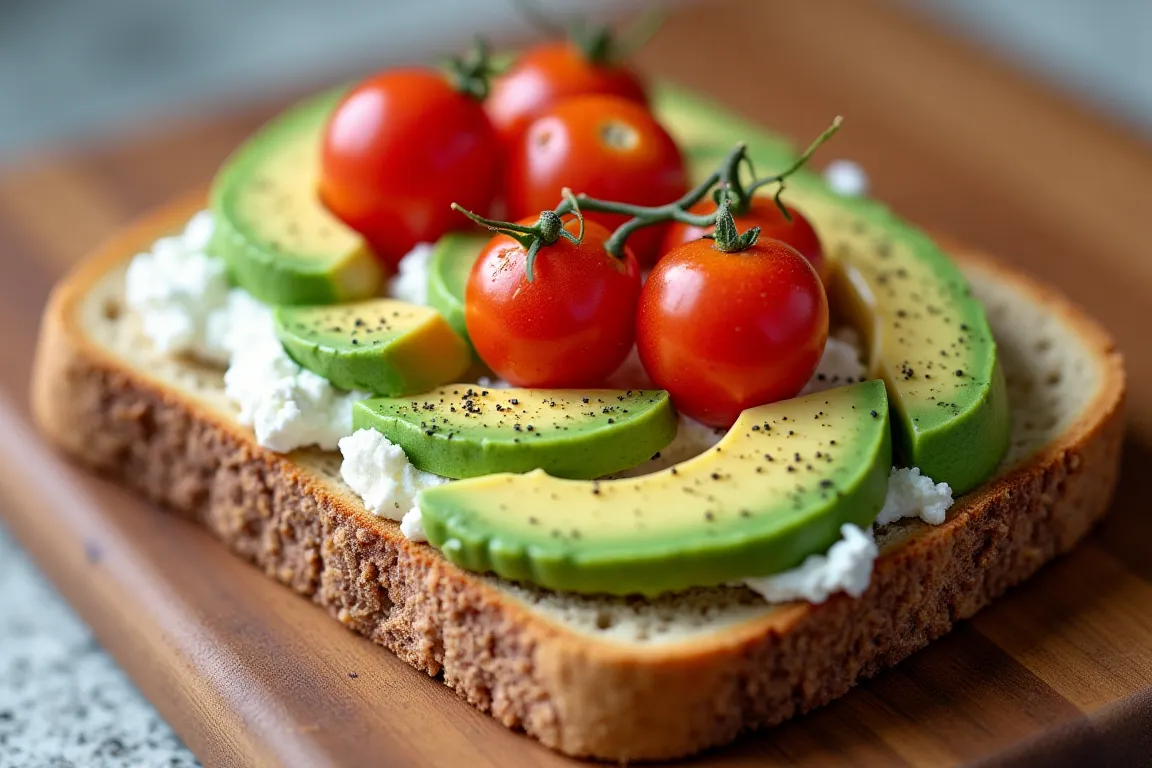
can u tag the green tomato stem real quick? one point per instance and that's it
(549, 228)
(645, 216)
(781, 178)
(727, 238)
(731, 195)
(471, 74)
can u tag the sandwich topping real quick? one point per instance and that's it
(181, 293)
(667, 369)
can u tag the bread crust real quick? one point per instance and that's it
(580, 695)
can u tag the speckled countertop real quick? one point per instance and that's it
(63, 701)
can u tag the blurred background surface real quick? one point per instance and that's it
(75, 69)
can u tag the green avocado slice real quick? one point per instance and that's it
(448, 270)
(280, 243)
(927, 336)
(464, 430)
(380, 345)
(776, 489)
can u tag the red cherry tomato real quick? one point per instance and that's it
(398, 150)
(604, 146)
(570, 327)
(723, 332)
(764, 213)
(549, 73)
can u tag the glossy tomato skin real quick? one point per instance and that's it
(725, 332)
(764, 213)
(548, 74)
(398, 151)
(604, 146)
(571, 326)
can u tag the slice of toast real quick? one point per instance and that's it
(618, 679)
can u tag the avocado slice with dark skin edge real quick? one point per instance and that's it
(379, 345)
(776, 489)
(465, 430)
(280, 243)
(927, 336)
(449, 267)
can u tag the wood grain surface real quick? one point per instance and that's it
(1058, 672)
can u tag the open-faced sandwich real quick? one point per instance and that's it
(586, 396)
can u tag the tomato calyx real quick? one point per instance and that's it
(726, 237)
(471, 74)
(599, 43)
(549, 228)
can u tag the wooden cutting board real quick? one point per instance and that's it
(1057, 672)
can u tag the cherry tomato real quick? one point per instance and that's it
(549, 73)
(764, 213)
(723, 332)
(604, 146)
(398, 150)
(571, 326)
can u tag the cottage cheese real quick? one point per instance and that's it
(186, 306)
(412, 525)
(411, 281)
(846, 178)
(912, 494)
(493, 382)
(840, 364)
(180, 293)
(846, 567)
(287, 406)
(381, 475)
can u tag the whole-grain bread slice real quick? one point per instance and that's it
(610, 678)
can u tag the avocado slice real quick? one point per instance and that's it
(776, 489)
(379, 345)
(280, 243)
(927, 336)
(448, 270)
(930, 341)
(465, 430)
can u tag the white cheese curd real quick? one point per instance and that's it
(846, 567)
(839, 365)
(181, 293)
(410, 283)
(412, 525)
(846, 178)
(493, 382)
(287, 406)
(912, 494)
(379, 472)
